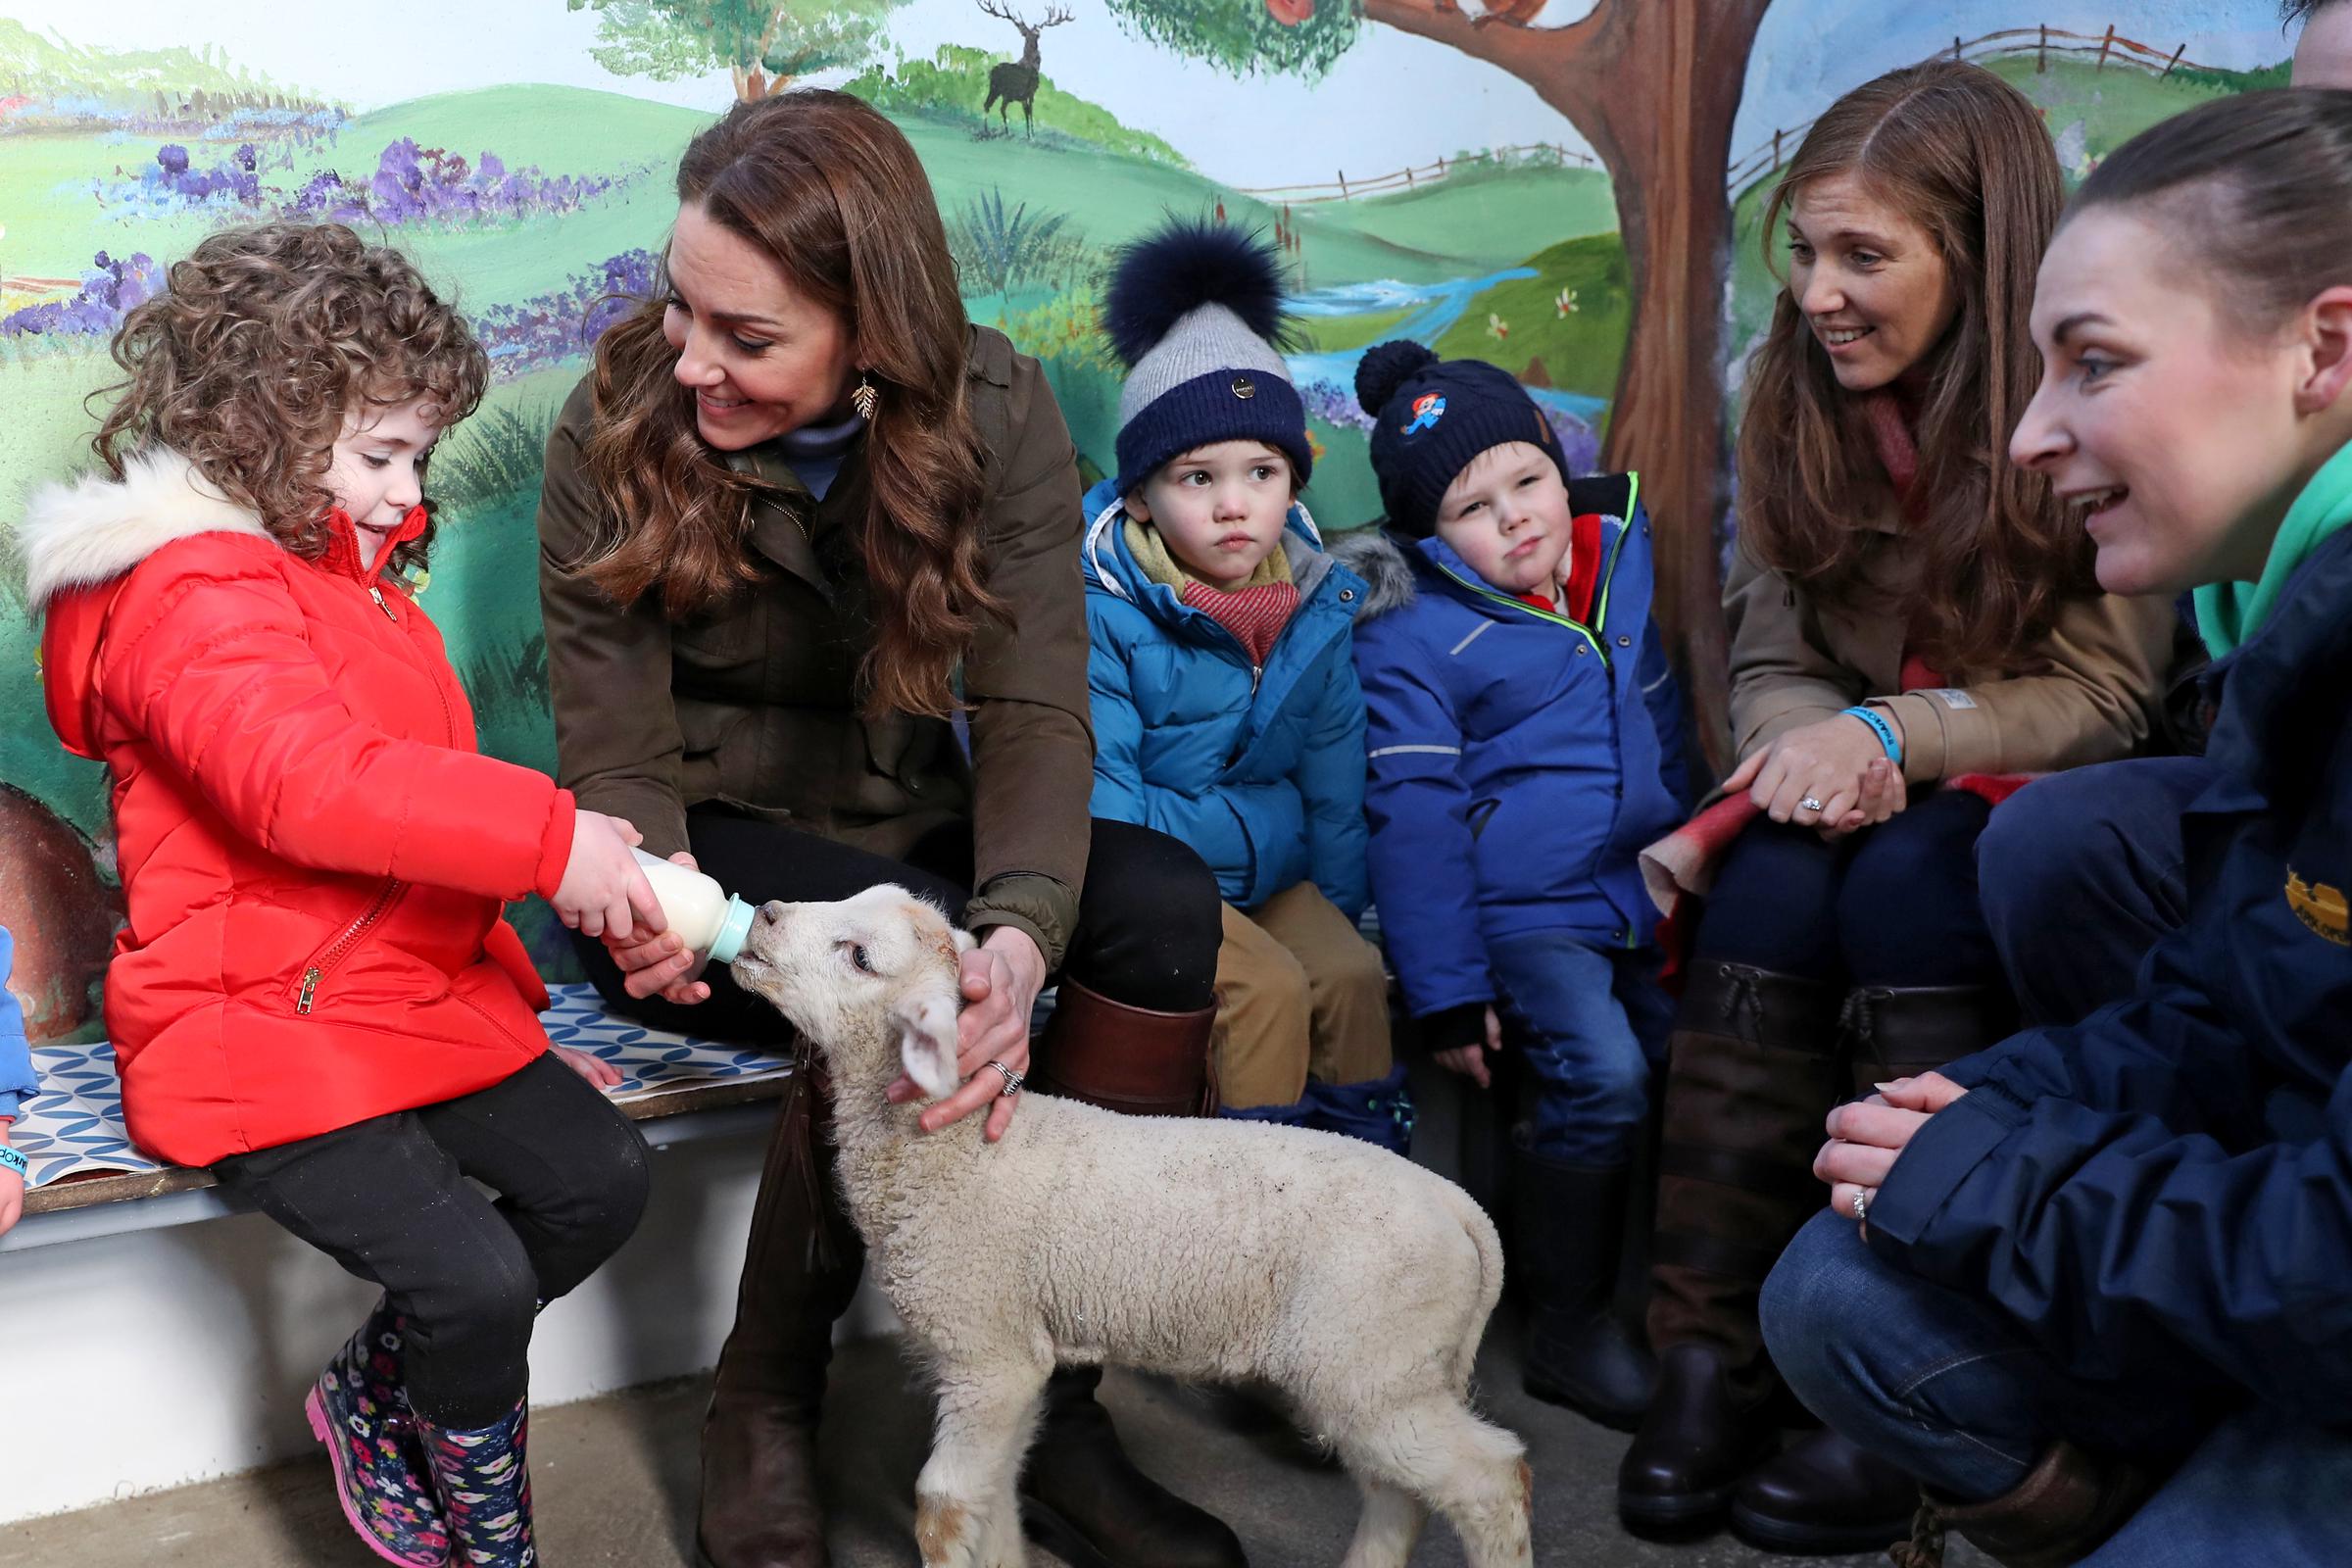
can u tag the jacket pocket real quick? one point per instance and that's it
(319, 969)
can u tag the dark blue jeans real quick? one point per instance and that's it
(2080, 873)
(1943, 1385)
(1596, 1023)
(1892, 906)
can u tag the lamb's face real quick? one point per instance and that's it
(876, 975)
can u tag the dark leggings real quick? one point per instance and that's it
(389, 1199)
(1148, 919)
(1892, 906)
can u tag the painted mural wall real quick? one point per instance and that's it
(1569, 189)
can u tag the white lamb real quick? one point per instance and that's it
(1226, 1250)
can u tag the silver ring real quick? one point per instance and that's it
(1809, 803)
(1013, 1080)
(1861, 1205)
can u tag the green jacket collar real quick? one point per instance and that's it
(2229, 613)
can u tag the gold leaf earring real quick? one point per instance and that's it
(865, 398)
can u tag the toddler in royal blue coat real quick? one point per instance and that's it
(1522, 733)
(1225, 702)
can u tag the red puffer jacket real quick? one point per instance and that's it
(315, 855)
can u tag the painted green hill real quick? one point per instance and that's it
(1487, 214)
(953, 84)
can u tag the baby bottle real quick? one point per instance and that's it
(706, 916)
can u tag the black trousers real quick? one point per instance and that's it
(389, 1199)
(1148, 919)
(1892, 906)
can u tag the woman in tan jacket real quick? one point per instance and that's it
(1905, 610)
(814, 620)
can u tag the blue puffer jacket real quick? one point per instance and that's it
(1519, 761)
(2174, 1173)
(1261, 772)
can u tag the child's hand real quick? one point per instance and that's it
(598, 1071)
(12, 1192)
(1471, 1061)
(602, 891)
(1884, 795)
(659, 963)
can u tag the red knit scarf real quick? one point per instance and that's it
(1898, 453)
(1256, 615)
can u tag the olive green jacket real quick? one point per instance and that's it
(2089, 691)
(753, 704)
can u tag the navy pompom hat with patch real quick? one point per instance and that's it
(1430, 417)
(1195, 313)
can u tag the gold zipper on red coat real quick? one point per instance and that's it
(340, 949)
(377, 594)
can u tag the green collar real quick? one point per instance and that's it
(2231, 613)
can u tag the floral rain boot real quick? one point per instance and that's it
(486, 1488)
(360, 1414)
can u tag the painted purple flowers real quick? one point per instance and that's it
(110, 288)
(554, 327)
(410, 186)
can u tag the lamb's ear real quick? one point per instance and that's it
(925, 1021)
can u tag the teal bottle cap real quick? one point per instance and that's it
(732, 930)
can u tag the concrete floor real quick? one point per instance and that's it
(615, 1482)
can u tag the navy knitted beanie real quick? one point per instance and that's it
(1194, 311)
(1430, 417)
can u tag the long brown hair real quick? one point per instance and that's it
(826, 188)
(263, 341)
(1966, 156)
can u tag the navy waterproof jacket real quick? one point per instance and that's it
(1520, 760)
(1259, 768)
(2174, 1174)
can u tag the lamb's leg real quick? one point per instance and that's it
(966, 1514)
(1387, 1529)
(1474, 1474)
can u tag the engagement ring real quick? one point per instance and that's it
(1808, 803)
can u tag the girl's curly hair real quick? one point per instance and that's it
(262, 343)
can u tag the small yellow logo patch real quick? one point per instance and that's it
(2319, 908)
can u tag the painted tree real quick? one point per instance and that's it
(765, 44)
(1653, 85)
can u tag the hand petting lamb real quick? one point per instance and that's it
(1226, 1250)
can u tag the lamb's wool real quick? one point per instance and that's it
(1204, 1249)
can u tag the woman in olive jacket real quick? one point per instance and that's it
(799, 518)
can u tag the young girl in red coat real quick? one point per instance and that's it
(315, 995)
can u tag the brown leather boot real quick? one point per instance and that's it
(1081, 1495)
(1902, 1031)
(1124, 1059)
(1752, 1071)
(2069, 1503)
(1824, 1496)
(759, 1502)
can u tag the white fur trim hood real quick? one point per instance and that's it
(95, 528)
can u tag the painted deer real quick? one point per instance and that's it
(1015, 81)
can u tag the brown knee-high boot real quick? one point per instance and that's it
(1082, 1495)
(1751, 1073)
(1824, 1496)
(760, 1503)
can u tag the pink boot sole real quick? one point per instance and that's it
(327, 1437)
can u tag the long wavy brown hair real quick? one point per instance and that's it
(1966, 156)
(261, 344)
(827, 188)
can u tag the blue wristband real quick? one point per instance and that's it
(13, 1159)
(1884, 730)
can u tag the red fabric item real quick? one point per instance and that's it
(1583, 567)
(296, 796)
(1541, 602)
(1256, 615)
(1899, 453)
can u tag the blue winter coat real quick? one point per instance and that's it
(1260, 770)
(1519, 761)
(2174, 1173)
